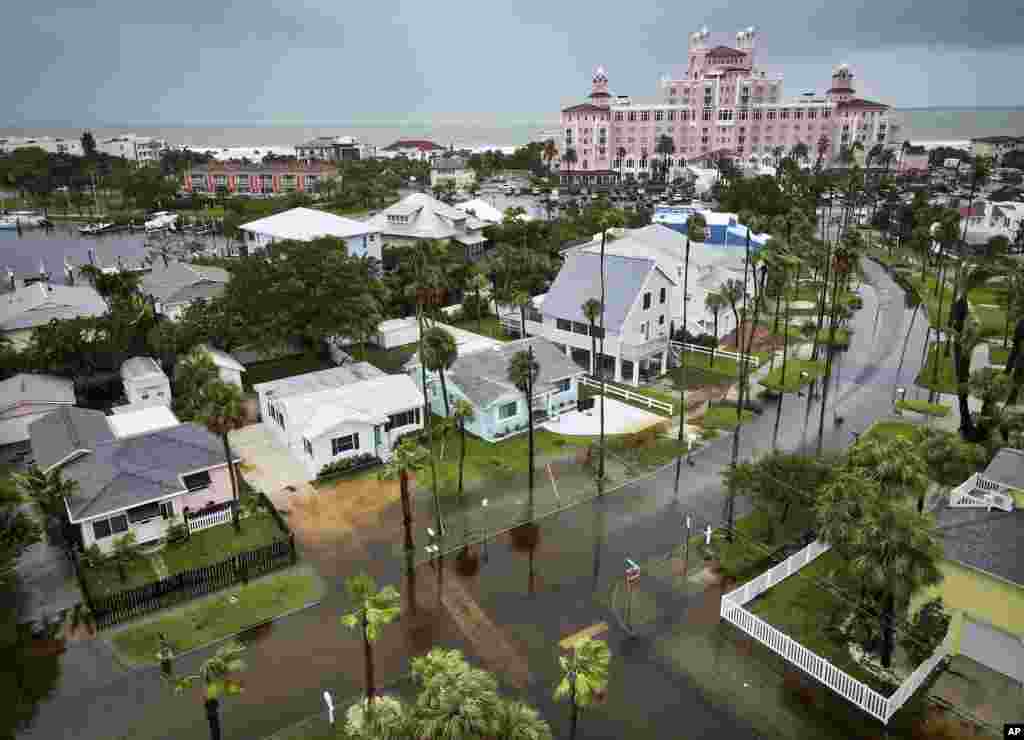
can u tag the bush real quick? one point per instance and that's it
(346, 464)
(470, 305)
(177, 533)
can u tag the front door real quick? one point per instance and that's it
(378, 439)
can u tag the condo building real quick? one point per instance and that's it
(721, 105)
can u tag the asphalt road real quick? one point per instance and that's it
(291, 663)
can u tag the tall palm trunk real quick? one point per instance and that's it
(828, 361)
(430, 428)
(730, 496)
(462, 452)
(233, 474)
(403, 486)
(823, 296)
(368, 659)
(444, 394)
(600, 469)
(574, 713)
(593, 350)
(682, 355)
(213, 717)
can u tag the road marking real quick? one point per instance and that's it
(587, 633)
(554, 485)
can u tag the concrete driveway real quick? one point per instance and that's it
(619, 418)
(268, 466)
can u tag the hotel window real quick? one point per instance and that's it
(647, 301)
(643, 164)
(826, 113)
(631, 116)
(661, 320)
(743, 114)
(661, 295)
(672, 91)
(798, 114)
(630, 163)
(197, 481)
(784, 114)
(671, 115)
(645, 115)
(707, 114)
(757, 115)
(704, 140)
(344, 444)
(812, 114)
(618, 115)
(771, 115)
(725, 114)
(563, 324)
(659, 115)
(508, 410)
(307, 447)
(242, 184)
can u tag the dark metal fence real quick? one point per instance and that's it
(116, 608)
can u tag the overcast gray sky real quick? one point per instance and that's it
(383, 61)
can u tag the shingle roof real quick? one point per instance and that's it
(126, 472)
(991, 541)
(39, 303)
(38, 388)
(483, 375)
(1007, 467)
(580, 280)
(585, 108)
(320, 380)
(178, 282)
(65, 431)
(428, 218)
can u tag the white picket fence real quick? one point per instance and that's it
(979, 492)
(613, 390)
(860, 694)
(205, 521)
(681, 347)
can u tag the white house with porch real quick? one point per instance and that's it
(996, 487)
(138, 472)
(343, 412)
(145, 382)
(639, 296)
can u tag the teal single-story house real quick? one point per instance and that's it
(481, 378)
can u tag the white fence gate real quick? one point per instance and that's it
(613, 390)
(874, 703)
(205, 521)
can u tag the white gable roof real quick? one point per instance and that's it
(306, 224)
(369, 402)
(142, 421)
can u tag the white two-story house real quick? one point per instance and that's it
(639, 296)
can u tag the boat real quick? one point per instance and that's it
(161, 220)
(27, 219)
(92, 229)
(8, 223)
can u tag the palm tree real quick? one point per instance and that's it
(799, 152)
(733, 292)
(221, 412)
(714, 302)
(521, 299)
(519, 721)
(48, 491)
(463, 414)
(666, 148)
(606, 220)
(592, 312)
(584, 677)
(620, 153)
(125, 552)
(478, 284)
(440, 353)
(218, 676)
(549, 153)
(407, 458)
(695, 231)
(570, 159)
(373, 610)
(822, 149)
(897, 465)
(456, 701)
(522, 373)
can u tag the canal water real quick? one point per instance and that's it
(29, 250)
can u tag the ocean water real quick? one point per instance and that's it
(919, 126)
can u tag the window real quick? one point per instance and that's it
(631, 116)
(143, 513)
(661, 320)
(597, 333)
(757, 115)
(661, 295)
(647, 301)
(812, 114)
(645, 115)
(167, 509)
(508, 410)
(403, 419)
(618, 115)
(826, 113)
(344, 444)
(579, 328)
(784, 114)
(107, 527)
(532, 314)
(197, 481)
(771, 115)
(725, 115)
(707, 114)
(563, 324)
(659, 115)
(563, 386)
(671, 115)
(307, 446)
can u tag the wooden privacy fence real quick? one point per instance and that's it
(189, 584)
(857, 692)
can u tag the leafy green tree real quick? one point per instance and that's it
(192, 376)
(18, 531)
(218, 675)
(47, 490)
(440, 353)
(950, 459)
(478, 284)
(523, 370)
(372, 611)
(780, 481)
(88, 144)
(519, 721)
(407, 458)
(928, 629)
(550, 152)
(584, 677)
(695, 231)
(220, 410)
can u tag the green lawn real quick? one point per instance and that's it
(723, 417)
(701, 361)
(923, 407)
(284, 367)
(802, 609)
(219, 543)
(489, 326)
(793, 381)
(998, 354)
(219, 616)
(389, 360)
(945, 379)
(104, 580)
(885, 430)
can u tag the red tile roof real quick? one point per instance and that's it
(585, 108)
(724, 51)
(976, 212)
(422, 144)
(861, 103)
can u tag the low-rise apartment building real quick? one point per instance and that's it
(256, 178)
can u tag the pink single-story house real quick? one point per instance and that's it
(137, 472)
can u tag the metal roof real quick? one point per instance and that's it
(306, 224)
(1007, 467)
(36, 388)
(320, 380)
(39, 303)
(368, 401)
(140, 367)
(178, 282)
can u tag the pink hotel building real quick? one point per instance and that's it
(722, 105)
